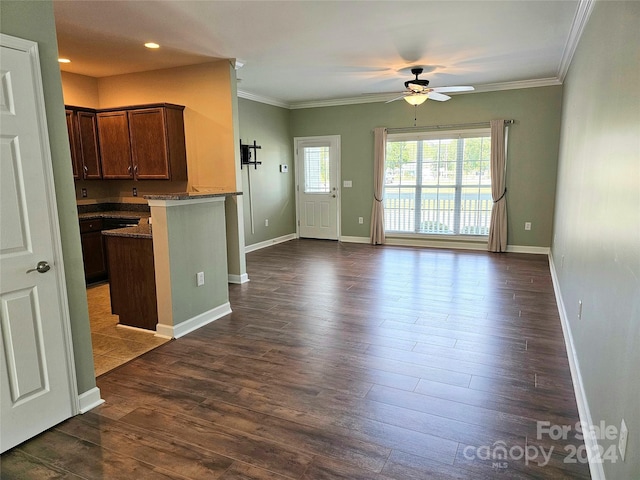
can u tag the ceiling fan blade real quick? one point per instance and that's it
(452, 89)
(438, 96)
(397, 98)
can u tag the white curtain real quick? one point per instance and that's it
(498, 227)
(377, 213)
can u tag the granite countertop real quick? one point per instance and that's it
(125, 214)
(142, 230)
(190, 195)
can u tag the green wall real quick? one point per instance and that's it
(34, 21)
(596, 248)
(532, 154)
(272, 191)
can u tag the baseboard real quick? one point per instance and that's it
(591, 443)
(347, 239)
(239, 279)
(270, 242)
(435, 243)
(528, 249)
(188, 326)
(89, 400)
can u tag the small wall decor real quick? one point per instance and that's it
(245, 155)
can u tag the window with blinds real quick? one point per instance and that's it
(316, 170)
(438, 183)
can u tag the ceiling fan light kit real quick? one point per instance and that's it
(416, 99)
(418, 90)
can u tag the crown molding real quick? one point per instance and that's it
(261, 99)
(385, 97)
(577, 27)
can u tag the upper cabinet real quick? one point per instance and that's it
(83, 141)
(143, 143)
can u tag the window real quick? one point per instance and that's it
(438, 183)
(316, 170)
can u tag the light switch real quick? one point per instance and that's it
(347, 184)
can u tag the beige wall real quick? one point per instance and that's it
(204, 90)
(80, 90)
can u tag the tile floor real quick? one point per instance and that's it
(114, 345)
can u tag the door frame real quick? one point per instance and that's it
(31, 48)
(334, 141)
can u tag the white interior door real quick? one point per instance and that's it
(318, 195)
(37, 388)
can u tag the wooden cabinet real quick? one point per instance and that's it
(132, 281)
(83, 141)
(143, 143)
(95, 265)
(115, 147)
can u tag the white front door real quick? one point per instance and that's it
(318, 195)
(37, 388)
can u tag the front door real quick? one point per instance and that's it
(37, 385)
(318, 199)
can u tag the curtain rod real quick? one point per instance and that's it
(440, 127)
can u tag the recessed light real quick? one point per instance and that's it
(151, 45)
(64, 60)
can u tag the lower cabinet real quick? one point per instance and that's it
(95, 265)
(132, 281)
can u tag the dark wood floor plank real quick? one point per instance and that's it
(186, 460)
(339, 361)
(279, 458)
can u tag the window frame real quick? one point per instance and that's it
(458, 185)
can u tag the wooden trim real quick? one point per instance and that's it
(267, 243)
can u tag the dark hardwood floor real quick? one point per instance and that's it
(341, 361)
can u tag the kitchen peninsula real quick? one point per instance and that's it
(169, 272)
(190, 256)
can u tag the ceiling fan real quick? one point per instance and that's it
(418, 90)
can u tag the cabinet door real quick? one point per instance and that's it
(73, 135)
(95, 266)
(88, 136)
(115, 149)
(147, 128)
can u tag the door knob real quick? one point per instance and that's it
(42, 267)
(333, 196)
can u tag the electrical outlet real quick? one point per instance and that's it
(135, 192)
(360, 220)
(200, 279)
(266, 222)
(579, 309)
(527, 225)
(84, 193)
(622, 439)
(284, 168)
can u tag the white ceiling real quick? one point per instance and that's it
(297, 52)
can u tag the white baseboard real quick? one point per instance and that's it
(347, 239)
(239, 279)
(89, 400)
(435, 243)
(528, 249)
(270, 242)
(591, 443)
(188, 326)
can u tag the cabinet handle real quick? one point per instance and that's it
(129, 169)
(135, 169)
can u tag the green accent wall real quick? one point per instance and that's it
(272, 192)
(532, 151)
(596, 250)
(35, 21)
